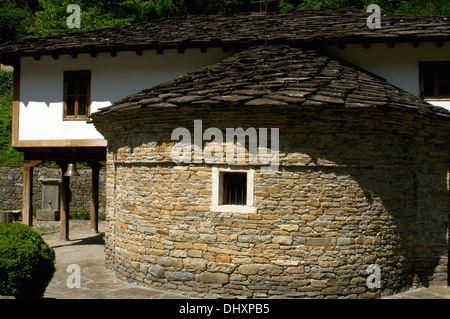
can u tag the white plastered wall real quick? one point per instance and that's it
(112, 78)
(398, 65)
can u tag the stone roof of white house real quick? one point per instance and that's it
(338, 26)
(277, 75)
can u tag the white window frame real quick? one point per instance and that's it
(217, 191)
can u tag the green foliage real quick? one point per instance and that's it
(5, 114)
(140, 10)
(6, 83)
(8, 155)
(414, 7)
(424, 8)
(82, 214)
(318, 4)
(27, 263)
(13, 21)
(85, 214)
(51, 20)
(215, 7)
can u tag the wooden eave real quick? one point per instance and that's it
(11, 59)
(313, 27)
(74, 154)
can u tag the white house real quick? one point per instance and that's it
(59, 81)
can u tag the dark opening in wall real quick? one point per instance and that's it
(234, 188)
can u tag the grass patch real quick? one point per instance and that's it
(84, 214)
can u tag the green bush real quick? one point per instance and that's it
(85, 214)
(6, 82)
(8, 155)
(27, 263)
(80, 214)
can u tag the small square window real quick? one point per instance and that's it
(232, 190)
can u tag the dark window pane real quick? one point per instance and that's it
(428, 83)
(235, 188)
(70, 106)
(436, 79)
(82, 105)
(444, 72)
(444, 88)
(71, 86)
(82, 85)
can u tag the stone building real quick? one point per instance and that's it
(344, 128)
(361, 180)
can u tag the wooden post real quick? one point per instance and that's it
(64, 203)
(27, 204)
(27, 200)
(94, 196)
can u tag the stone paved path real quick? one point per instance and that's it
(424, 293)
(85, 249)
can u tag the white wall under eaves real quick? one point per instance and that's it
(398, 65)
(112, 78)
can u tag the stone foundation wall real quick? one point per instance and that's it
(11, 187)
(353, 189)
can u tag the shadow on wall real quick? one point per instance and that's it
(403, 174)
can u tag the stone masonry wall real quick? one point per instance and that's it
(11, 187)
(353, 189)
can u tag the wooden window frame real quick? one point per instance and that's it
(434, 65)
(68, 75)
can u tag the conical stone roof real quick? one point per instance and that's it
(278, 75)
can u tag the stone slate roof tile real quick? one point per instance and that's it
(271, 78)
(343, 25)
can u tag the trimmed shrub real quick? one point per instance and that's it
(27, 263)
